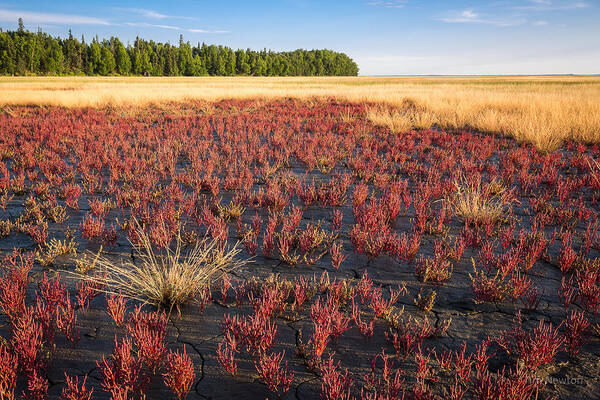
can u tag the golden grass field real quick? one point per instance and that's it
(544, 111)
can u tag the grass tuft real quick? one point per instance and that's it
(169, 278)
(396, 121)
(478, 203)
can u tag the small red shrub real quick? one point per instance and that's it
(575, 330)
(121, 376)
(179, 373)
(277, 377)
(72, 390)
(8, 372)
(335, 385)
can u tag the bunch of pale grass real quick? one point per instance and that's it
(346, 116)
(595, 172)
(476, 205)
(169, 278)
(396, 121)
(401, 120)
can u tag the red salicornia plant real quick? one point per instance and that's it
(273, 373)
(73, 391)
(122, 373)
(8, 372)
(576, 325)
(179, 373)
(335, 385)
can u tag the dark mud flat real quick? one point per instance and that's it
(297, 164)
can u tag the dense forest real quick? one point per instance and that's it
(27, 53)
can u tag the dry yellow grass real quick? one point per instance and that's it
(541, 110)
(167, 279)
(403, 118)
(396, 121)
(477, 204)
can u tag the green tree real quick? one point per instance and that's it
(241, 63)
(107, 61)
(94, 58)
(53, 59)
(185, 59)
(8, 54)
(122, 60)
(229, 60)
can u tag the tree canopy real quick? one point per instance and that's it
(27, 53)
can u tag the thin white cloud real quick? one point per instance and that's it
(518, 16)
(387, 4)
(206, 31)
(49, 18)
(547, 5)
(143, 12)
(147, 25)
(173, 27)
(151, 14)
(471, 17)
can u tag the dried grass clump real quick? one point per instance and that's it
(478, 204)
(346, 116)
(169, 278)
(595, 173)
(401, 120)
(396, 121)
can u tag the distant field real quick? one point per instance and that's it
(541, 110)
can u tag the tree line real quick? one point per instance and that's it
(26, 53)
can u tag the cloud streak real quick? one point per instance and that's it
(150, 14)
(49, 18)
(147, 25)
(207, 31)
(548, 5)
(471, 17)
(506, 16)
(388, 4)
(174, 28)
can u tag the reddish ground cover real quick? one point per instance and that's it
(366, 280)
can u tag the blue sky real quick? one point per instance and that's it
(384, 37)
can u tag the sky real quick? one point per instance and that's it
(396, 37)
